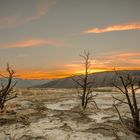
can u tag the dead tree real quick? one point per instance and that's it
(129, 85)
(84, 83)
(6, 90)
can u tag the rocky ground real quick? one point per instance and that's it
(55, 114)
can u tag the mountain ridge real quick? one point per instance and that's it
(25, 83)
(101, 79)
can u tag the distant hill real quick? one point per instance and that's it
(101, 79)
(25, 82)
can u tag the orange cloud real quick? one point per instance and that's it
(126, 60)
(133, 26)
(41, 74)
(33, 43)
(119, 61)
(65, 73)
(27, 74)
(53, 74)
(129, 54)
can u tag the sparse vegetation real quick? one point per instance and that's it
(6, 91)
(47, 113)
(83, 82)
(129, 86)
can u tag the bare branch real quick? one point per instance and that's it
(8, 89)
(84, 82)
(77, 81)
(119, 88)
(122, 101)
(118, 113)
(137, 88)
(128, 84)
(3, 76)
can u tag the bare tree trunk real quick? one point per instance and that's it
(6, 90)
(136, 120)
(128, 89)
(84, 83)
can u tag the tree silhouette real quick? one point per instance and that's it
(6, 91)
(129, 85)
(83, 82)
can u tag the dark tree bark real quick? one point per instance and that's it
(84, 83)
(7, 90)
(129, 86)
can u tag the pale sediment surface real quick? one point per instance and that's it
(55, 114)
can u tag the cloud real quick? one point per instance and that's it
(41, 10)
(129, 60)
(41, 74)
(124, 60)
(133, 26)
(7, 22)
(128, 55)
(106, 62)
(33, 43)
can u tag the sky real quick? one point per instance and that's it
(42, 39)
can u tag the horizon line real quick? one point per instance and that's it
(70, 75)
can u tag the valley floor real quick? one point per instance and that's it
(55, 114)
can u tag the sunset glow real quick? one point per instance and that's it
(45, 75)
(69, 69)
(43, 39)
(133, 26)
(61, 74)
(125, 61)
(33, 43)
